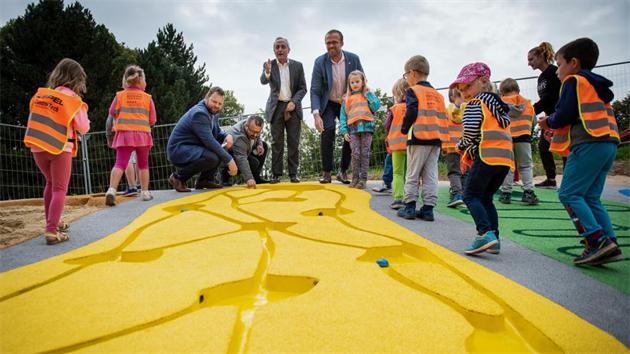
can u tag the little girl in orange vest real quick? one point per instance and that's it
(133, 114)
(57, 115)
(397, 141)
(357, 125)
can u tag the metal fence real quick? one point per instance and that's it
(20, 177)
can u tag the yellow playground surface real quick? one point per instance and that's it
(279, 269)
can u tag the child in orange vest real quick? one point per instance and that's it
(486, 141)
(397, 141)
(456, 176)
(55, 109)
(357, 125)
(521, 117)
(133, 114)
(586, 129)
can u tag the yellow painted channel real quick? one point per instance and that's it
(283, 268)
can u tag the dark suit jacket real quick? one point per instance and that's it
(322, 80)
(298, 86)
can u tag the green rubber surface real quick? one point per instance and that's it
(547, 229)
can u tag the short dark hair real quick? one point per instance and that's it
(583, 49)
(335, 31)
(217, 90)
(258, 120)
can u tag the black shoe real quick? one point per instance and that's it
(224, 179)
(260, 180)
(275, 179)
(326, 178)
(343, 178)
(294, 179)
(595, 252)
(547, 184)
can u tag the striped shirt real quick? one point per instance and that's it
(473, 117)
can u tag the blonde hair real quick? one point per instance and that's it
(360, 74)
(418, 63)
(508, 85)
(400, 90)
(70, 74)
(486, 84)
(133, 75)
(546, 50)
(452, 93)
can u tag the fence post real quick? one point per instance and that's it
(86, 164)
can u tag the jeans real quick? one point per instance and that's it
(388, 172)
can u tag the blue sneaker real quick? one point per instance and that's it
(496, 249)
(482, 243)
(409, 212)
(425, 214)
(130, 192)
(455, 201)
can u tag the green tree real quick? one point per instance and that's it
(231, 108)
(379, 151)
(622, 112)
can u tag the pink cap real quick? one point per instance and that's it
(470, 72)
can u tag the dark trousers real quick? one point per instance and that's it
(328, 139)
(482, 183)
(206, 165)
(256, 164)
(546, 157)
(293, 127)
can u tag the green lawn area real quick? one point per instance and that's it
(547, 229)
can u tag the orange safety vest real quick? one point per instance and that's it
(432, 120)
(455, 132)
(357, 108)
(49, 122)
(132, 111)
(396, 140)
(521, 125)
(597, 117)
(495, 147)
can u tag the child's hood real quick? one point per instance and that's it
(601, 84)
(516, 109)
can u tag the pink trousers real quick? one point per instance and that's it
(56, 169)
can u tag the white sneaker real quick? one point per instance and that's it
(110, 197)
(146, 196)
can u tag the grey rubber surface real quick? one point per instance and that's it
(597, 303)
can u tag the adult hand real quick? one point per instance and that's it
(319, 123)
(260, 149)
(229, 141)
(268, 67)
(291, 106)
(346, 136)
(232, 169)
(251, 183)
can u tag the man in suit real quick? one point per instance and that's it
(328, 85)
(284, 107)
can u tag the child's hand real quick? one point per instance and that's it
(346, 136)
(543, 123)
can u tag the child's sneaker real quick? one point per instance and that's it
(455, 201)
(505, 198)
(496, 249)
(482, 243)
(130, 192)
(425, 214)
(547, 184)
(360, 185)
(397, 204)
(353, 184)
(530, 198)
(601, 248)
(615, 256)
(110, 197)
(409, 212)
(383, 189)
(146, 196)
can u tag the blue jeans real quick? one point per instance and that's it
(483, 182)
(388, 172)
(583, 182)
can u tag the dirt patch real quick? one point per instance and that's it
(22, 220)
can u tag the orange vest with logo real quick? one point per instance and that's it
(597, 117)
(495, 147)
(521, 125)
(396, 140)
(432, 120)
(49, 122)
(132, 111)
(357, 108)
(455, 133)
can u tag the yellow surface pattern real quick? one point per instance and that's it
(283, 268)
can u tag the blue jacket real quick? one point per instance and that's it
(322, 80)
(195, 131)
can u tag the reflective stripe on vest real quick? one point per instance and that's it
(357, 108)
(495, 147)
(597, 117)
(397, 141)
(132, 111)
(521, 125)
(51, 114)
(432, 121)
